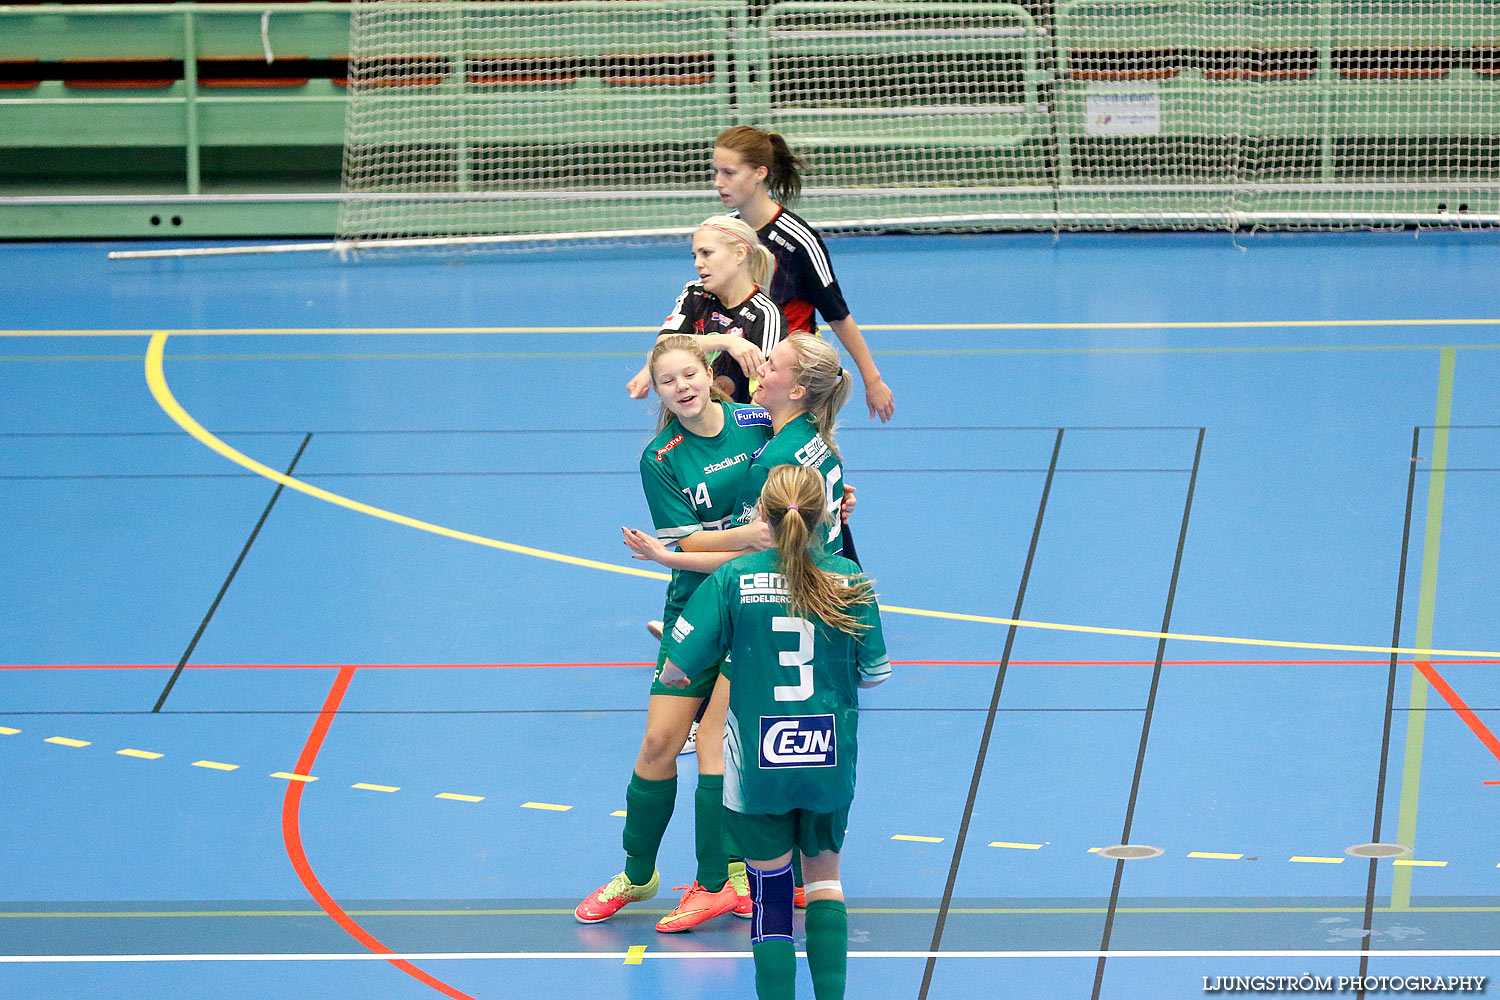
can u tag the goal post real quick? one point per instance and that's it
(502, 118)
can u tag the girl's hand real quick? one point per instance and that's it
(879, 399)
(847, 507)
(758, 538)
(745, 354)
(643, 545)
(639, 385)
(672, 675)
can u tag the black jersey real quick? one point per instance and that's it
(757, 319)
(804, 275)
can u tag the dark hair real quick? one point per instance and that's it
(769, 150)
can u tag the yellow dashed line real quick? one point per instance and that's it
(1216, 857)
(1409, 863)
(1019, 847)
(459, 798)
(919, 840)
(621, 812)
(63, 741)
(1095, 850)
(214, 765)
(545, 805)
(1317, 861)
(292, 777)
(142, 754)
(376, 788)
(7, 731)
(635, 954)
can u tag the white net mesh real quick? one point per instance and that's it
(492, 117)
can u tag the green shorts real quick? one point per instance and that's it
(698, 687)
(764, 838)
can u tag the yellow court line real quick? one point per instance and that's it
(635, 954)
(459, 798)
(142, 754)
(1251, 324)
(1018, 847)
(917, 840)
(214, 765)
(1215, 856)
(545, 805)
(621, 812)
(292, 777)
(1317, 861)
(162, 392)
(1409, 863)
(156, 379)
(7, 731)
(375, 788)
(63, 741)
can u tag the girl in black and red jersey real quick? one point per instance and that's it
(756, 173)
(729, 306)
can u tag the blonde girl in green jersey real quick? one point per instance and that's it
(693, 474)
(804, 633)
(802, 387)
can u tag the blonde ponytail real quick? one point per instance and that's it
(828, 385)
(793, 504)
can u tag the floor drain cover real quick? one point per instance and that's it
(1131, 852)
(1377, 851)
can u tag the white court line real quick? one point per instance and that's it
(652, 956)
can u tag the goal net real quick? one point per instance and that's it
(517, 118)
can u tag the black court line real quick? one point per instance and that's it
(1140, 756)
(1390, 704)
(989, 727)
(171, 681)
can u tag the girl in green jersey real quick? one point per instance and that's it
(693, 475)
(804, 633)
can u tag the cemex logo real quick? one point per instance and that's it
(797, 741)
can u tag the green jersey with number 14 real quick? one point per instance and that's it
(790, 739)
(694, 483)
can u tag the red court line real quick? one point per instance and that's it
(1458, 705)
(652, 663)
(291, 834)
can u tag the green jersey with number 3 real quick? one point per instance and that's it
(695, 483)
(790, 739)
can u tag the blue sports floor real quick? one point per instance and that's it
(322, 666)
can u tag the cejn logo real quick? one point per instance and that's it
(797, 741)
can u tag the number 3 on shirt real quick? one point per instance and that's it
(801, 658)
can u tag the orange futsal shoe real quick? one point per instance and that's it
(696, 906)
(607, 900)
(799, 899)
(744, 906)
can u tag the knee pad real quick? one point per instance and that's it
(772, 894)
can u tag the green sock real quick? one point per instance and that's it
(648, 809)
(828, 947)
(775, 970)
(708, 830)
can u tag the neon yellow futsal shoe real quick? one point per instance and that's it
(744, 906)
(608, 900)
(696, 906)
